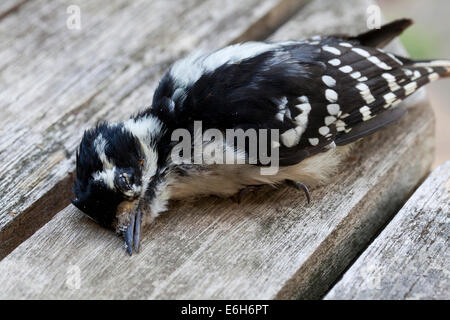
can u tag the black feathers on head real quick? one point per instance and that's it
(123, 151)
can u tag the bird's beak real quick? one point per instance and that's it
(132, 234)
(129, 214)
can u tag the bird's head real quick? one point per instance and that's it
(110, 169)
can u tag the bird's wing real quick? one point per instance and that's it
(315, 92)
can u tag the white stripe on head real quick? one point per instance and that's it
(100, 148)
(106, 176)
(145, 129)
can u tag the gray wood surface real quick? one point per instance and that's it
(56, 82)
(9, 7)
(410, 259)
(273, 245)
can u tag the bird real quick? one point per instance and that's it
(312, 98)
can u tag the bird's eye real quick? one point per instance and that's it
(124, 180)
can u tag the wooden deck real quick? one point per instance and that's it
(56, 82)
(410, 258)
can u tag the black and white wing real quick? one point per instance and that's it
(317, 93)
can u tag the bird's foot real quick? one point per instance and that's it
(237, 198)
(300, 186)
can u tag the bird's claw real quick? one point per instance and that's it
(237, 198)
(300, 186)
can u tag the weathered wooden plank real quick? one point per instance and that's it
(273, 245)
(8, 7)
(410, 259)
(55, 82)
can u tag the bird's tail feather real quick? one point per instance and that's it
(441, 67)
(385, 111)
(381, 37)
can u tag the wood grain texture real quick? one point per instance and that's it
(273, 245)
(56, 82)
(410, 258)
(9, 7)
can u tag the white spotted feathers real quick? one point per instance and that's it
(292, 136)
(357, 84)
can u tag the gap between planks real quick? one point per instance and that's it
(380, 230)
(410, 257)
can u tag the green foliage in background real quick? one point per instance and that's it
(420, 44)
